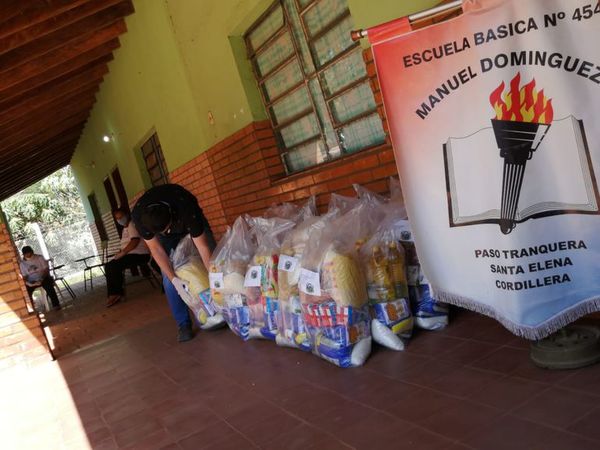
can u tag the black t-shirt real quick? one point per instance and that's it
(186, 214)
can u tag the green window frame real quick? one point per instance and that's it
(313, 81)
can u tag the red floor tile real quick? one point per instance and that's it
(557, 407)
(507, 393)
(470, 386)
(463, 381)
(461, 420)
(588, 426)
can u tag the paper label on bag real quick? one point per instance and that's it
(216, 281)
(310, 282)
(287, 263)
(253, 276)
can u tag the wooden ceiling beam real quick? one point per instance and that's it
(31, 12)
(41, 137)
(39, 117)
(46, 148)
(87, 49)
(47, 109)
(49, 146)
(55, 73)
(64, 153)
(22, 109)
(29, 132)
(55, 88)
(32, 31)
(32, 175)
(63, 36)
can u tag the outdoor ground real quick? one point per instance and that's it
(123, 382)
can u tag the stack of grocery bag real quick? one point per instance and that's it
(331, 284)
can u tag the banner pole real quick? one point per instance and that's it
(457, 4)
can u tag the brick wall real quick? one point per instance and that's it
(22, 339)
(244, 172)
(114, 241)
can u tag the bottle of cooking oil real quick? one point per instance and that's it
(382, 287)
(397, 270)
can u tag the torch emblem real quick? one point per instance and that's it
(523, 117)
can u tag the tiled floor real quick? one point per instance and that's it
(85, 320)
(471, 386)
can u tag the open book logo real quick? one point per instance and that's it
(485, 188)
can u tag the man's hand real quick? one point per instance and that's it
(182, 289)
(119, 255)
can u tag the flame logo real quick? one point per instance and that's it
(522, 104)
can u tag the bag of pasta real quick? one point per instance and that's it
(383, 260)
(188, 266)
(291, 331)
(333, 289)
(262, 286)
(429, 314)
(226, 276)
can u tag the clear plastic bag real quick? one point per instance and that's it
(383, 260)
(228, 268)
(342, 203)
(333, 290)
(188, 266)
(293, 212)
(429, 314)
(396, 191)
(262, 286)
(364, 193)
(291, 330)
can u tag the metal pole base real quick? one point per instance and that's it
(572, 347)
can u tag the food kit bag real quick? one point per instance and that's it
(291, 211)
(291, 330)
(227, 273)
(364, 193)
(342, 203)
(429, 314)
(384, 263)
(333, 289)
(261, 282)
(188, 267)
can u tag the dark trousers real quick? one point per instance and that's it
(114, 271)
(48, 285)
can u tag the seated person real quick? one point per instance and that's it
(133, 253)
(36, 273)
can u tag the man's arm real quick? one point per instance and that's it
(161, 257)
(205, 248)
(133, 243)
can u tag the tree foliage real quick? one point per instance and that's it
(52, 202)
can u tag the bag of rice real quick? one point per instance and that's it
(333, 290)
(262, 286)
(188, 266)
(228, 268)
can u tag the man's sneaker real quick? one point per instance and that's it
(185, 333)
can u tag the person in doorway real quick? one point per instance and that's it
(134, 252)
(36, 273)
(163, 216)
